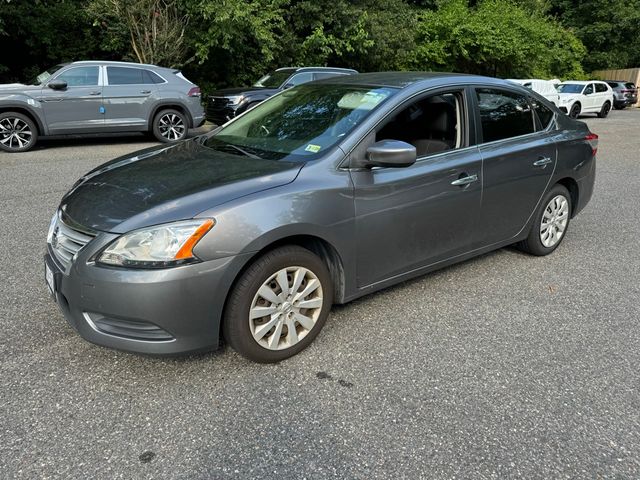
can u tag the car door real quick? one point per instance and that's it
(408, 218)
(590, 98)
(77, 108)
(518, 159)
(129, 94)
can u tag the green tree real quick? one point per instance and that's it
(496, 37)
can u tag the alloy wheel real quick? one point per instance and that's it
(171, 127)
(15, 133)
(554, 221)
(285, 308)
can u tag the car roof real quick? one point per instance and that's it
(406, 79)
(583, 82)
(316, 69)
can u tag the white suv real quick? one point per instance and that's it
(585, 97)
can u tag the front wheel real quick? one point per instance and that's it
(575, 110)
(170, 126)
(604, 111)
(550, 223)
(18, 133)
(278, 305)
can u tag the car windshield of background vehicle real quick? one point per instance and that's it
(44, 76)
(273, 79)
(300, 123)
(570, 88)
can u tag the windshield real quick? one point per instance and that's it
(273, 79)
(570, 88)
(300, 123)
(44, 76)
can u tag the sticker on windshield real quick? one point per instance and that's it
(312, 148)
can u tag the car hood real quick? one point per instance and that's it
(13, 87)
(228, 92)
(164, 184)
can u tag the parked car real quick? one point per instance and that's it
(545, 88)
(577, 98)
(95, 97)
(625, 93)
(223, 105)
(322, 194)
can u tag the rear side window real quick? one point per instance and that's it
(503, 114)
(630, 85)
(128, 76)
(601, 87)
(544, 114)
(80, 76)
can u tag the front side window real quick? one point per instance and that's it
(80, 76)
(300, 123)
(323, 75)
(299, 79)
(503, 114)
(431, 124)
(589, 89)
(128, 76)
(273, 79)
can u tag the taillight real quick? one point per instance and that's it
(194, 92)
(592, 138)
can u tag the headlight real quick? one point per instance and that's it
(157, 247)
(235, 99)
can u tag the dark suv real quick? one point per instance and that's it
(223, 105)
(99, 97)
(625, 93)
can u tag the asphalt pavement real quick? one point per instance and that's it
(505, 366)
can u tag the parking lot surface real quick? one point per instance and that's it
(505, 366)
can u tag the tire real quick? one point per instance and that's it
(538, 242)
(170, 126)
(619, 106)
(604, 111)
(272, 343)
(575, 110)
(18, 133)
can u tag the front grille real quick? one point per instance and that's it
(66, 241)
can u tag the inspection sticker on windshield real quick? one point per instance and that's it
(312, 148)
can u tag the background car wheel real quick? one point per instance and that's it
(550, 224)
(604, 111)
(619, 106)
(575, 110)
(279, 305)
(170, 126)
(18, 133)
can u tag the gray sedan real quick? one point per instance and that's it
(322, 194)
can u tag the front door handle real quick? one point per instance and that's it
(542, 162)
(95, 93)
(465, 180)
(146, 92)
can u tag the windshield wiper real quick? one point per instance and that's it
(241, 150)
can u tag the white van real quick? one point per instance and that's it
(545, 88)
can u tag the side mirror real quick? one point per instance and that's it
(391, 153)
(588, 92)
(57, 85)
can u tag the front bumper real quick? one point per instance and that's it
(161, 312)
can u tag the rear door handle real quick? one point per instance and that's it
(465, 180)
(146, 92)
(542, 162)
(95, 93)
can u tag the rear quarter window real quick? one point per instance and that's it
(542, 112)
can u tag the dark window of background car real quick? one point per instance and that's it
(589, 89)
(127, 76)
(544, 114)
(80, 76)
(300, 78)
(630, 85)
(323, 75)
(503, 114)
(601, 87)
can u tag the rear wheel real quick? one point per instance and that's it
(575, 110)
(170, 126)
(18, 133)
(550, 223)
(279, 305)
(604, 111)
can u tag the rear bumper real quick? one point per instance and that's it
(160, 312)
(585, 188)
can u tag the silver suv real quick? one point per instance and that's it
(97, 97)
